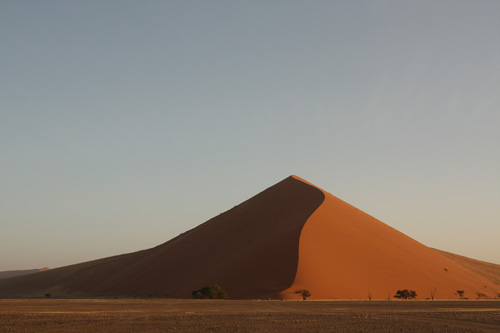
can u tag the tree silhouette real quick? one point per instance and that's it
(304, 293)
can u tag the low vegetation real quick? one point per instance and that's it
(212, 291)
(480, 294)
(304, 293)
(405, 294)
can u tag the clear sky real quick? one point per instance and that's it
(125, 123)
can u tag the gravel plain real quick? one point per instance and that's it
(168, 315)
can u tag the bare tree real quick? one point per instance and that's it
(433, 293)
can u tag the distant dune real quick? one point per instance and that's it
(8, 274)
(486, 269)
(291, 236)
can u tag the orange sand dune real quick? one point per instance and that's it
(291, 236)
(345, 253)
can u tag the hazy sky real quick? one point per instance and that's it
(125, 123)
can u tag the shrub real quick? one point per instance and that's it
(480, 294)
(212, 291)
(406, 294)
(304, 293)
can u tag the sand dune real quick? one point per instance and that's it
(7, 274)
(291, 236)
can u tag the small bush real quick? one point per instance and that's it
(480, 294)
(212, 291)
(406, 294)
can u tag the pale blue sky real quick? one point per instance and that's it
(125, 123)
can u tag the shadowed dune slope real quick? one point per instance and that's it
(345, 253)
(250, 250)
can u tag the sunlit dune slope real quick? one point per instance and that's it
(345, 253)
(250, 250)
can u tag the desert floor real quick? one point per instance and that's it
(166, 315)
